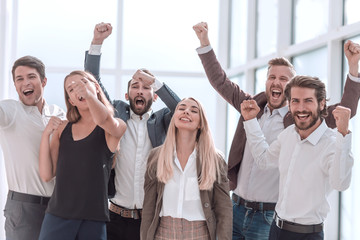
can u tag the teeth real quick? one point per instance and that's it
(276, 91)
(185, 119)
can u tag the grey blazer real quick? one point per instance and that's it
(158, 122)
(216, 203)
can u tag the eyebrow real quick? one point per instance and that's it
(184, 105)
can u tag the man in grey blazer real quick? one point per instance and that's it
(256, 191)
(145, 130)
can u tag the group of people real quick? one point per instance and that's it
(108, 169)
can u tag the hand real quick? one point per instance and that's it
(80, 90)
(53, 124)
(201, 30)
(352, 53)
(101, 32)
(249, 109)
(146, 78)
(342, 118)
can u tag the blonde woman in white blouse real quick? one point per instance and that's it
(186, 185)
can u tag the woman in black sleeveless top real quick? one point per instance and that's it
(79, 153)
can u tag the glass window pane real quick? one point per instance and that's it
(260, 79)
(233, 115)
(151, 38)
(310, 19)
(351, 11)
(267, 16)
(350, 198)
(238, 50)
(59, 33)
(308, 64)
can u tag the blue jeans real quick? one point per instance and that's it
(249, 224)
(57, 228)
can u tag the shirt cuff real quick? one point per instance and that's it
(252, 125)
(203, 50)
(157, 85)
(355, 79)
(95, 49)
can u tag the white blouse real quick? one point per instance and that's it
(181, 197)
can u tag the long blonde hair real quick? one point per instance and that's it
(210, 160)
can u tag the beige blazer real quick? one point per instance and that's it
(216, 204)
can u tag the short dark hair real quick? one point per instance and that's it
(281, 61)
(142, 69)
(308, 82)
(32, 62)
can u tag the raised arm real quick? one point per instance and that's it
(93, 56)
(351, 94)
(217, 77)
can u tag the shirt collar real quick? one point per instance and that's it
(31, 109)
(145, 116)
(282, 111)
(315, 136)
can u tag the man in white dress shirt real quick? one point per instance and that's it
(312, 159)
(21, 126)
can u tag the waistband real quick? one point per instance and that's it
(24, 197)
(125, 212)
(257, 206)
(296, 227)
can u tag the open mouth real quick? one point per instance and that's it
(185, 119)
(139, 101)
(28, 92)
(303, 116)
(275, 93)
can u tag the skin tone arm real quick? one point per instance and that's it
(100, 115)
(201, 30)
(49, 151)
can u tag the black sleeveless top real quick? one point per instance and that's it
(82, 174)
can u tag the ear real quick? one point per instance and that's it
(322, 104)
(126, 97)
(155, 97)
(43, 82)
(71, 102)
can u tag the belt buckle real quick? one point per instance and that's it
(134, 215)
(279, 222)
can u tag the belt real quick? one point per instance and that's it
(23, 197)
(295, 227)
(257, 206)
(124, 212)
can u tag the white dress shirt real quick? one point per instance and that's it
(21, 128)
(181, 197)
(309, 169)
(255, 184)
(130, 167)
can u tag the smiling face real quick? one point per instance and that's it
(77, 86)
(187, 115)
(277, 78)
(305, 110)
(29, 86)
(140, 96)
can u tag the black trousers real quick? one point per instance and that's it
(280, 234)
(120, 228)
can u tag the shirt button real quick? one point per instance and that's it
(206, 205)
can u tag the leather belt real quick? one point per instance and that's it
(296, 227)
(257, 206)
(124, 212)
(23, 197)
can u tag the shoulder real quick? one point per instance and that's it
(61, 128)
(9, 103)
(57, 111)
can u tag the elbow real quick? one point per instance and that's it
(46, 177)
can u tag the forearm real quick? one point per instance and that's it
(46, 167)
(341, 168)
